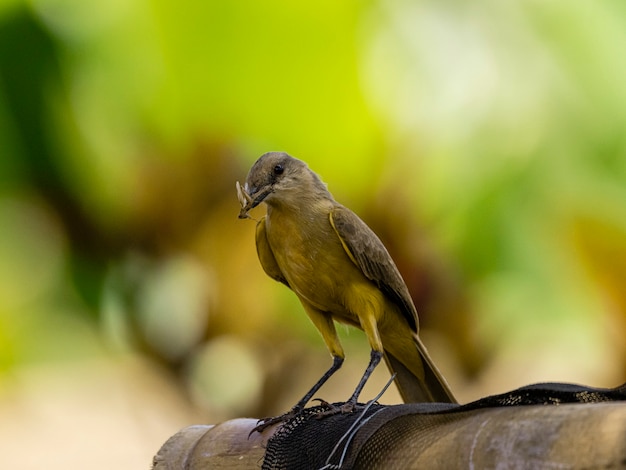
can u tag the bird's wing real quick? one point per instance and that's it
(367, 251)
(266, 256)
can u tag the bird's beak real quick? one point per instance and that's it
(250, 201)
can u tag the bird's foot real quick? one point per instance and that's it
(265, 423)
(338, 408)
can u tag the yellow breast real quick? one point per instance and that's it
(312, 259)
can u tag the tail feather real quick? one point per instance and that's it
(432, 387)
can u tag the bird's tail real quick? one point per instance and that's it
(431, 387)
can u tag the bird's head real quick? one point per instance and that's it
(274, 177)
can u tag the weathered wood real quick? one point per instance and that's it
(224, 445)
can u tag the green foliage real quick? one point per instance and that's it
(494, 131)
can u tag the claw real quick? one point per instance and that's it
(265, 423)
(343, 408)
(324, 403)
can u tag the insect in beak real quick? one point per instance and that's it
(245, 200)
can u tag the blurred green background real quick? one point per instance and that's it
(484, 142)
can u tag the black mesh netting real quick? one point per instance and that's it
(370, 438)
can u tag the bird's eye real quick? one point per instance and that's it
(278, 169)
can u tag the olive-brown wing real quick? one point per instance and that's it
(367, 251)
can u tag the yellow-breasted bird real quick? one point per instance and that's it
(340, 271)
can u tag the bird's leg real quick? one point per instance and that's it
(351, 404)
(297, 409)
(375, 357)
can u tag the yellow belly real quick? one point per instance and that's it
(315, 264)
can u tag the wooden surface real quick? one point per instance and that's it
(225, 445)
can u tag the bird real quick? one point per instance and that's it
(341, 272)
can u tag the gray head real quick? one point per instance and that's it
(277, 176)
